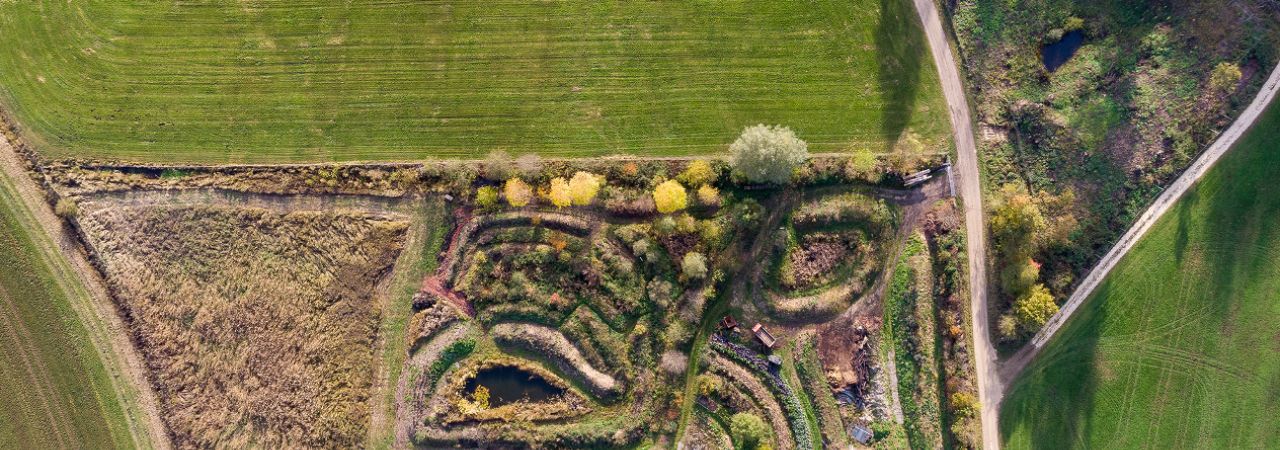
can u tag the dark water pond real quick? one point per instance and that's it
(1058, 53)
(509, 384)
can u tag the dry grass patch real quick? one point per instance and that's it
(258, 327)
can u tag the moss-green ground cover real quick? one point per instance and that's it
(55, 390)
(372, 80)
(1179, 347)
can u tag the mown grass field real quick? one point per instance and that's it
(1179, 347)
(56, 392)
(386, 80)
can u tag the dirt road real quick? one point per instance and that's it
(1162, 204)
(989, 387)
(88, 297)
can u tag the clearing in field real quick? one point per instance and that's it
(1178, 347)
(258, 326)
(378, 80)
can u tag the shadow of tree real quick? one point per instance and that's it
(1055, 395)
(900, 53)
(1184, 208)
(1239, 227)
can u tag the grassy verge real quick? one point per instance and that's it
(1178, 347)
(700, 346)
(909, 319)
(56, 391)
(377, 80)
(429, 231)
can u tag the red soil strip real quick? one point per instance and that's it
(433, 284)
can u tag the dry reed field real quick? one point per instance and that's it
(371, 80)
(258, 327)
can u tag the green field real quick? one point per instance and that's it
(1179, 347)
(249, 81)
(55, 391)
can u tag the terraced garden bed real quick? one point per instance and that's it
(604, 307)
(828, 254)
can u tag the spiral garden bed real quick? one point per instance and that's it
(827, 254)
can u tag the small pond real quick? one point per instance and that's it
(1058, 53)
(508, 384)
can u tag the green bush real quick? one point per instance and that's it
(698, 173)
(694, 266)
(1226, 76)
(768, 154)
(748, 431)
(708, 196)
(1035, 308)
(1018, 277)
(964, 404)
(486, 196)
(1073, 24)
(670, 197)
(66, 208)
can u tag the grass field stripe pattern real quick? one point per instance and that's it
(56, 391)
(370, 80)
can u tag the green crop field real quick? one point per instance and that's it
(54, 390)
(1179, 347)
(311, 80)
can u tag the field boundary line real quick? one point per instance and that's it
(1168, 197)
(39, 159)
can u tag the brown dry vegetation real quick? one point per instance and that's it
(258, 328)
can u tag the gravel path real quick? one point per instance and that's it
(989, 387)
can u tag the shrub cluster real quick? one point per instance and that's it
(453, 353)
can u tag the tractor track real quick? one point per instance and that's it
(37, 374)
(87, 295)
